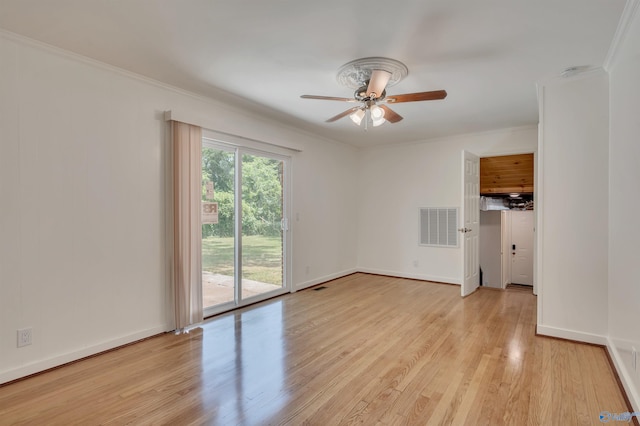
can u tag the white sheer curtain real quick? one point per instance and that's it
(187, 228)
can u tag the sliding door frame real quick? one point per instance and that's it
(287, 287)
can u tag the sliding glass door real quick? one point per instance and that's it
(243, 226)
(218, 225)
(262, 223)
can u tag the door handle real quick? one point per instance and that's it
(464, 230)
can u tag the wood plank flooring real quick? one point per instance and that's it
(365, 350)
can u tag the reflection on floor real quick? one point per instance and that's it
(367, 349)
(217, 289)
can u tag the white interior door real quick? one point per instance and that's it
(522, 247)
(471, 221)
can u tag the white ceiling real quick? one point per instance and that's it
(263, 55)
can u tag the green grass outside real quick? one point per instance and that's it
(262, 257)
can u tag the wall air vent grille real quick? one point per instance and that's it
(439, 227)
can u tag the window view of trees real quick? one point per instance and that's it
(261, 193)
(219, 167)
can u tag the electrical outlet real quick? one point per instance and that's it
(24, 337)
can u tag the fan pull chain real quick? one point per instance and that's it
(367, 116)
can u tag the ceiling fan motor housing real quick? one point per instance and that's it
(361, 94)
(357, 73)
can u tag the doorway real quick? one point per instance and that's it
(244, 232)
(507, 232)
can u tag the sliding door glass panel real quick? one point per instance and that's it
(262, 235)
(218, 226)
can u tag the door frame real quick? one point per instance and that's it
(505, 239)
(537, 218)
(209, 139)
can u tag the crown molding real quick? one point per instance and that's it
(210, 100)
(457, 136)
(628, 15)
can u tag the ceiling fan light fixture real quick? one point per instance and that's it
(370, 77)
(376, 112)
(377, 115)
(377, 121)
(357, 116)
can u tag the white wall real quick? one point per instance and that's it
(395, 181)
(589, 163)
(574, 204)
(490, 248)
(324, 214)
(82, 182)
(624, 204)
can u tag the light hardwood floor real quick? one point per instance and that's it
(366, 349)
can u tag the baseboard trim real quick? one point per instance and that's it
(577, 336)
(629, 392)
(624, 376)
(60, 360)
(421, 277)
(324, 279)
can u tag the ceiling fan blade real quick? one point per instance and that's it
(390, 115)
(328, 98)
(342, 114)
(419, 96)
(377, 82)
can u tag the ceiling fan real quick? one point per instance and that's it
(370, 78)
